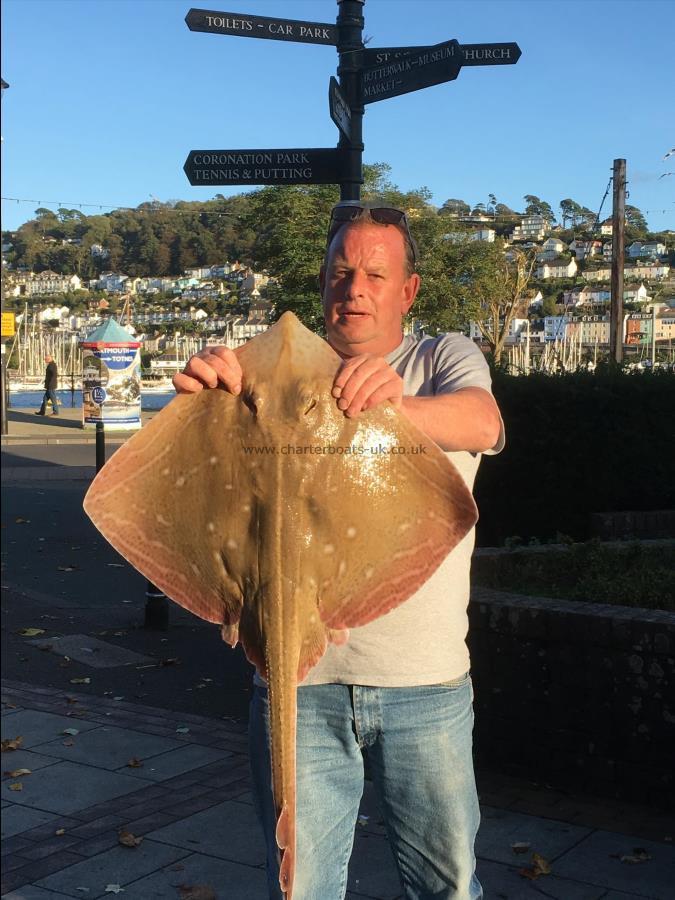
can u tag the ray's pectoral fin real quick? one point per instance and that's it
(155, 502)
(398, 517)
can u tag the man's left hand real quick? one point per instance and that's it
(364, 382)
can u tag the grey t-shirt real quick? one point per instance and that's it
(423, 641)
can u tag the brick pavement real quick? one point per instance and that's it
(198, 825)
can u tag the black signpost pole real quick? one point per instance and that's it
(350, 44)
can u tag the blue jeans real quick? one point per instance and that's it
(419, 745)
(49, 395)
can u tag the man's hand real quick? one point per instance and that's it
(364, 382)
(207, 368)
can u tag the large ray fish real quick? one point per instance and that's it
(276, 516)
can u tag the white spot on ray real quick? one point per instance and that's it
(368, 571)
(404, 526)
(231, 544)
(160, 518)
(210, 527)
(166, 471)
(228, 487)
(195, 568)
(328, 548)
(213, 460)
(342, 568)
(180, 481)
(246, 507)
(351, 532)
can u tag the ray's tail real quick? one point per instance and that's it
(283, 706)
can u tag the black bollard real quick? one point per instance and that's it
(156, 608)
(100, 446)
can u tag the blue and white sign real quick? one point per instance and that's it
(98, 395)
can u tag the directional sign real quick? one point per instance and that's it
(432, 65)
(340, 110)
(295, 166)
(376, 56)
(245, 25)
(490, 54)
(472, 54)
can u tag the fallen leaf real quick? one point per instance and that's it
(72, 700)
(21, 521)
(60, 831)
(135, 763)
(17, 773)
(11, 743)
(80, 680)
(520, 847)
(66, 568)
(115, 565)
(68, 743)
(170, 661)
(31, 632)
(539, 866)
(197, 892)
(118, 698)
(11, 706)
(17, 786)
(362, 820)
(182, 729)
(639, 855)
(72, 731)
(127, 839)
(113, 889)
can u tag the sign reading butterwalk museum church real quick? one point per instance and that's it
(365, 75)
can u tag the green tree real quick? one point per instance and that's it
(454, 207)
(537, 207)
(500, 291)
(635, 219)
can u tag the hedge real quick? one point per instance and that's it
(577, 444)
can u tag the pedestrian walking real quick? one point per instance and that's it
(51, 383)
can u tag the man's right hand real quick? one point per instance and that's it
(207, 368)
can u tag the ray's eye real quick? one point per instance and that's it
(250, 403)
(310, 406)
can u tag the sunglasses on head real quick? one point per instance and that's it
(352, 210)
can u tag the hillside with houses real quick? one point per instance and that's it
(566, 299)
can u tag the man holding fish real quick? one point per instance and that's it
(399, 687)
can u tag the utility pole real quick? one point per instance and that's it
(618, 224)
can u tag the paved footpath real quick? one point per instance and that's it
(100, 767)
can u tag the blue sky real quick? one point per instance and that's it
(107, 97)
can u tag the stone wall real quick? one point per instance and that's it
(575, 695)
